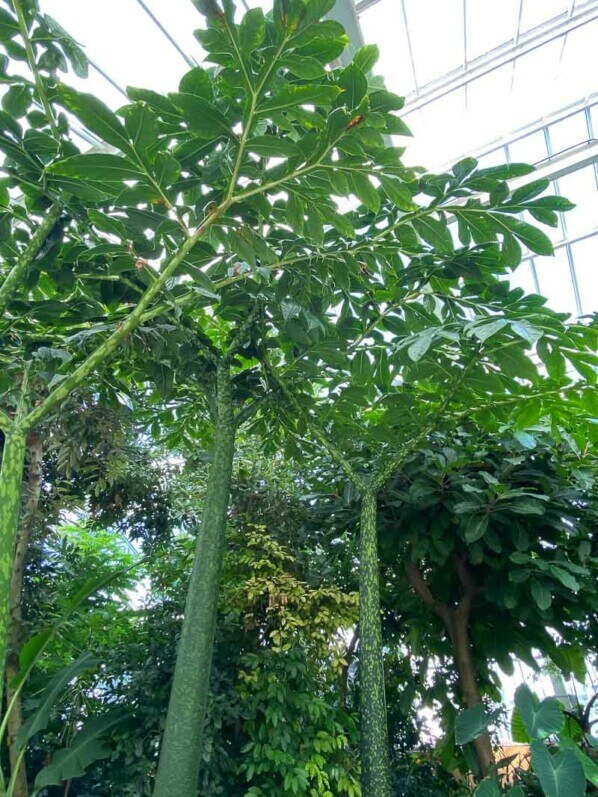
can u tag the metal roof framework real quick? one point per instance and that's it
(581, 156)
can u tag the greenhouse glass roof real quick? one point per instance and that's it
(499, 79)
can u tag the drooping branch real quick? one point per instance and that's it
(324, 439)
(240, 334)
(389, 466)
(424, 592)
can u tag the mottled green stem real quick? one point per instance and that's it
(11, 477)
(18, 272)
(131, 322)
(375, 746)
(15, 627)
(180, 755)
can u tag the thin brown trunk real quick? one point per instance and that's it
(15, 721)
(457, 625)
(344, 681)
(469, 685)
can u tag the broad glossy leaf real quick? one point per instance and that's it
(529, 191)
(488, 788)
(476, 527)
(203, 117)
(85, 749)
(507, 171)
(589, 766)
(97, 166)
(366, 57)
(294, 96)
(365, 190)
(42, 713)
(354, 85)
(96, 116)
(541, 595)
(560, 774)
(197, 82)
(273, 147)
(540, 718)
(434, 232)
(529, 235)
(252, 31)
(471, 723)
(303, 66)
(398, 192)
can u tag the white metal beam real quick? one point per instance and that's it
(489, 62)
(344, 12)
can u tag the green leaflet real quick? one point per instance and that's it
(471, 723)
(41, 716)
(96, 167)
(293, 96)
(202, 116)
(540, 718)
(86, 749)
(561, 774)
(97, 117)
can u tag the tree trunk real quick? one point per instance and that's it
(457, 624)
(375, 746)
(15, 720)
(469, 683)
(180, 754)
(11, 477)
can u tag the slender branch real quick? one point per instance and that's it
(255, 97)
(101, 354)
(241, 332)
(248, 411)
(321, 436)
(424, 592)
(19, 270)
(386, 469)
(41, 90)
(588, 711)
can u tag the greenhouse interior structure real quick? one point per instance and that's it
(241, 236)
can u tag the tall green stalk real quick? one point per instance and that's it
(375, 755)
(180, 754)
(11, 476)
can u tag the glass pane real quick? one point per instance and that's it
(490, 24)
(535, 12)
(529, 149)
(181, 24)
(441, 132)
(571, 79)
(437, 47)
(580, 188)
(568, 132)
(585, 258)
(144, 59)
(494, 158)
(523, 278)
(533, 83)
(554, 277)
(488, 101)
(382, 24)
